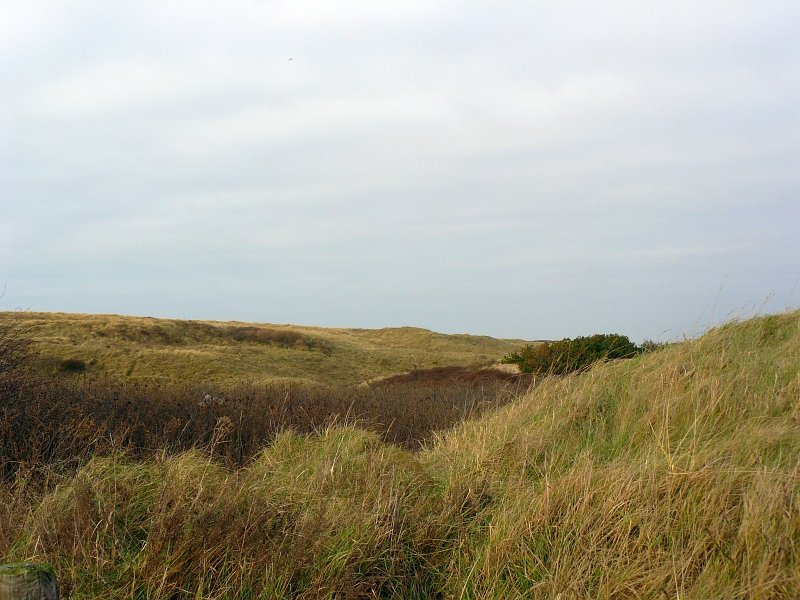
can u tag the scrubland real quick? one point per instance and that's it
(675, 474)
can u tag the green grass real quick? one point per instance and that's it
(168, 350)
(672, 475)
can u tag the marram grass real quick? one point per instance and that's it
(672, 475)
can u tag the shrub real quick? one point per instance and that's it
(67, 420)
(73, 365)
(15, 355)
(568, 355)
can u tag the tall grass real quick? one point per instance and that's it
(672, 475)
(676, 474)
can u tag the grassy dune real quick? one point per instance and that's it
(672, 475)
(165, 350)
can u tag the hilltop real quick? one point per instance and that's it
(170, 350)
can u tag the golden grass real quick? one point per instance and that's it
(672, 475)
(170, 350)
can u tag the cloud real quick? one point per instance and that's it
(485, 167)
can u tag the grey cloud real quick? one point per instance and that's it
(503, 168)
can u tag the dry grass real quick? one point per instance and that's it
(165, 350)
(672, 475)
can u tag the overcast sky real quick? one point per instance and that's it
(518, 169)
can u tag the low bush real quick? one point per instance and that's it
(73, 365)
(571, 355)
(15, 352)
(67, 421)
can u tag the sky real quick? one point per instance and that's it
(526, 169)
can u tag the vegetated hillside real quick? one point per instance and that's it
(674, 474)
(142, 348)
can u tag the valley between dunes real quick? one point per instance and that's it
(674, 474)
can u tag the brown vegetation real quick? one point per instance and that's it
(455, 374)
(69, 421)
(16, 356)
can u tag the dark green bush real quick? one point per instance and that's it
(73, 365)
(568, 355)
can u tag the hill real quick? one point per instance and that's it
(674, 474)
(164, 350)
